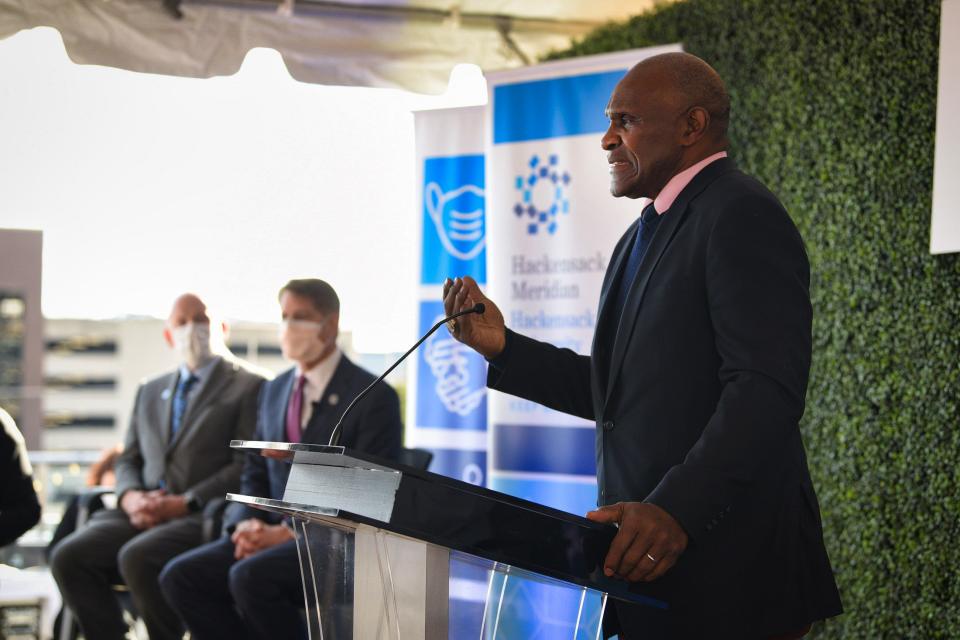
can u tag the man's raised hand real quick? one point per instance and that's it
(484, 333)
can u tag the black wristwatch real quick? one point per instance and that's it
(193, 504)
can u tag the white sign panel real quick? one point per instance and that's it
(945, 223)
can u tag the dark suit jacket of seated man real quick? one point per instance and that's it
(260, 595)
(164, 478)
(218, 596)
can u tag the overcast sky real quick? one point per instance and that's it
(146, 186)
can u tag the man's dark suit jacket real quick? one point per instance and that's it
(374, 427)
(697, 391)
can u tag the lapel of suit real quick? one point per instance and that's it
(618, 260)
(166, 406)
(661, 240)
(220, 376)
(279, 410)
(601, 365)
(327, 411)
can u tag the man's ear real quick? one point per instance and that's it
(334, 320)
(225, 329)
(168, 336)
(695, 123)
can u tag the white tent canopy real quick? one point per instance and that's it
(407, 44)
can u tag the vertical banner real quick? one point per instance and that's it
(447, 411)
(553, 224)
(447, 406)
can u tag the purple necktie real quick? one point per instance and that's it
(294, 408)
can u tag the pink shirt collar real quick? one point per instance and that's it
(669, 193)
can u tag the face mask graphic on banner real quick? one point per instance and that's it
(458, 218)
(191, 341)
(300, 340)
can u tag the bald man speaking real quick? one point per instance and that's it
(696, 379)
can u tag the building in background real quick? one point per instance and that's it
(21, 330)
(92, 369)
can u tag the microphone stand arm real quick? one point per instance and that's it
(335, 435)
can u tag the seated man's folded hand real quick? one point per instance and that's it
(143, 520)
(133, 501)
(138, 505)
(252, 536)
(149, 508)
(165, 507)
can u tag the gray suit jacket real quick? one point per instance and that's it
(198, 462)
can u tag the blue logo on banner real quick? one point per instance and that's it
(542, 197)
(454, 226)
(451, 379)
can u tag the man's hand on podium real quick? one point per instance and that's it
(484, 333)
(648, 543)
(252, 536)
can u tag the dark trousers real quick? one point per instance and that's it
(109, 550)
(217, 596)
(631, 621)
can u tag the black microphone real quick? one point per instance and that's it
(335, 436)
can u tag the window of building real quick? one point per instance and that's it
(268, 350)
(81, 344)
(12, 316)
(63, 383)
(66, 420)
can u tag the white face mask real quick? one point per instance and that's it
(191, 341)
(300, 340)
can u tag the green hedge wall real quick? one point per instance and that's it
(834, 108)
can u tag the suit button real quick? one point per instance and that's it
(608, 425)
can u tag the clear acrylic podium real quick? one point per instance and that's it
(377, 541)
